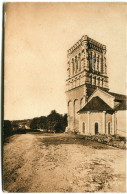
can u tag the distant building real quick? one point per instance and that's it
(92, 108)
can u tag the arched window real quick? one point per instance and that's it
(76, 63)
(99, 81)
(98, 63)
(91, 61)
(73, 66)
(102, 82)
(96, 128)
(83, 127)
(102, 64)
(93, 66)
(95, 62)
(95, 81)
(109, 130)
(79, 61)
(91, 79)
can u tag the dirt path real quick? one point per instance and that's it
(62, 163)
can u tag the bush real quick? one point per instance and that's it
(7, 128)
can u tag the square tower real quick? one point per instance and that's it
(86, 70)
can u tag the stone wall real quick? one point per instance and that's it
(111, 140)
(90, 118)
(75, 100)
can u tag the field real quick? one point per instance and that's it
(61, 163)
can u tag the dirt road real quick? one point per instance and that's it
(62, 163)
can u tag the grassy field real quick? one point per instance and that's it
(61, 163)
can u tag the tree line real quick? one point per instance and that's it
(54, 122)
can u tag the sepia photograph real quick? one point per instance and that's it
(64, 97)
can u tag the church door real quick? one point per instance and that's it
(96, 128)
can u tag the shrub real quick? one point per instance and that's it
(7, 128)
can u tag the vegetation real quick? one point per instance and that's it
(54, 122)
(7, 128)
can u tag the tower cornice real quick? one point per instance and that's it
(85, 38)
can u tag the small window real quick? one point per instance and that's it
(83, 128)
(109, 130)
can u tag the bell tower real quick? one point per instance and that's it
(86, 70)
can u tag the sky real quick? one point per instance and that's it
(37, 37)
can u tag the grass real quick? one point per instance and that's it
(71, 139)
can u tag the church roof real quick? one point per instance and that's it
(96, 104)
(121, 106)
(90, 90)
(118, 96)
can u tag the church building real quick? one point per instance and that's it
(92, 108)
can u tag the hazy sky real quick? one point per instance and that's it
(37, 37)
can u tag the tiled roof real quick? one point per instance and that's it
(96, 104)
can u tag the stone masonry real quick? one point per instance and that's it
(86, 70)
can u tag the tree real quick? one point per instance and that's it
(53, 122)
(42, 122)
(7, 128)
(33, 124)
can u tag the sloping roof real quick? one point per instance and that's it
(122, 106)
(90, 91)
(96, 104)
(118, 96)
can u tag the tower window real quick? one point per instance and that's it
(99, 81)
(95, 81)
(91, 79)
(98, 63)
(76, 63)
(73, 66)
(102, 82)
(79, 61)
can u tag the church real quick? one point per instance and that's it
(92, 108)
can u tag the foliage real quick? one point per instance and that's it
(7, 129)
(54, 122)
(38, 123)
